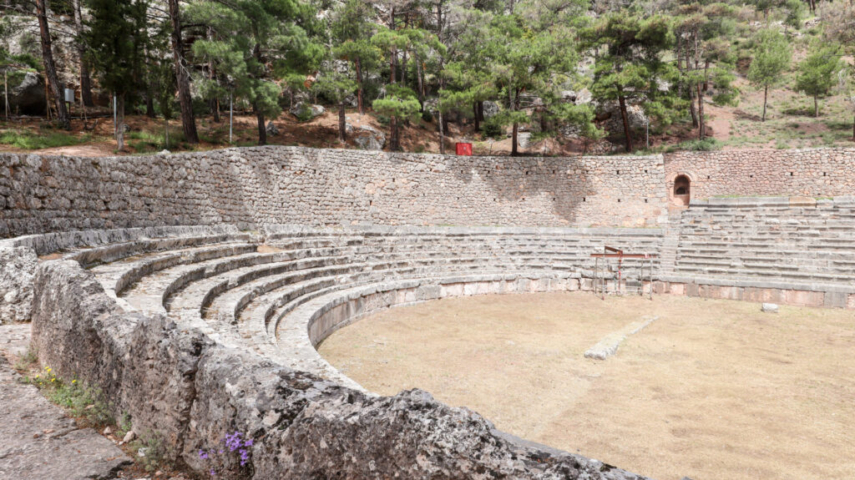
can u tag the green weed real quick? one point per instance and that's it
(30, 141)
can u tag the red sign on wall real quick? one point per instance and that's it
(464, 149)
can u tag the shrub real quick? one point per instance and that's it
(152, 452)
(81, 401)
(492, 128)
(705, 145)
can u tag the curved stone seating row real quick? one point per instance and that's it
(760, 243)
(262, 291)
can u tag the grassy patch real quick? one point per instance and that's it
(85, 403)
(27, 361)
(30, 141)
(705, 145)
(145, 141)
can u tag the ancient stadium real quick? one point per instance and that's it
(394, 315)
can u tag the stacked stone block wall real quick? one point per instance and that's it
(287, 185)
(824, 172)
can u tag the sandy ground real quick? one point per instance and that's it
(711, 390)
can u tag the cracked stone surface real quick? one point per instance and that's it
(37, 440)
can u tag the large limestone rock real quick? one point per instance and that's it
(635, 115)
(369, 138)
(27, 97)
(491, 109)
(272, 130)
(17, 267)
(306, 111)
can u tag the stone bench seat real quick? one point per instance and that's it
(120, 274)
(771, 274)
(89, 257)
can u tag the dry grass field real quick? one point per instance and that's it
(710, 390)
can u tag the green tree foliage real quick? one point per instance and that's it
(630, 68)
(399, 103)
(702, 30)
(772, 57)
(351, 30)
(336, 86)
(256, 42)
(116, 38)
(818, 72)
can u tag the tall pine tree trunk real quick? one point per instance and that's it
(185, 100)
(765, 97)
(625, 116)
(516, 127)
(815, 107)
(442, 127)
(475, 116)
(419, 80)
(120, 121)
(149, 93)
(702, 123)
(393, 61)
(149, 103)
(215, 102)
(359, 86)
(394, 142)
(691, 94)
(342, 123)
(50, 65)
(262, 129)
(85, 81)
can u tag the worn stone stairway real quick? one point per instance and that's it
(670, 244)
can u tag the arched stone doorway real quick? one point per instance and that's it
(682, 190)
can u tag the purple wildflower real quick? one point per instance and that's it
(213, 473)
(244, 457)
(233, 441)
(203, 454)
(247, 443)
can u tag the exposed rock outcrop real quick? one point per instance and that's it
(17, 267)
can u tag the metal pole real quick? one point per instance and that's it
(231, 112)
(647, 132)
(6, 92)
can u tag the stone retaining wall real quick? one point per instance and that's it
(251, 187)
(818, 172)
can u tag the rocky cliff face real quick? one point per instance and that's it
(181, 387)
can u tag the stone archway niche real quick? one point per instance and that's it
(682, 190)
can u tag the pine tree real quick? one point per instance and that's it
(818, 71)
(772, 56)
(114, 39)
(629, 66)
(351, 31)
(41, 7)
(399, 103)
(182, 73)
(336, 86)
(397, 99)
(257, 42)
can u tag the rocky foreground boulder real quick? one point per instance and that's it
(17, 266)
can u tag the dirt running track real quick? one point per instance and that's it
(710, 390)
